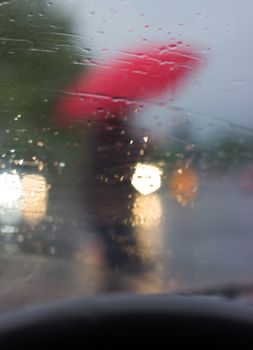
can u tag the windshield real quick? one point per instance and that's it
(126, 147)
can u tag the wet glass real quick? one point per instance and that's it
(126, 148)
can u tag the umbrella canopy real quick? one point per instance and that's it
(135, 77)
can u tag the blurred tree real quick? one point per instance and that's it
(37, 59)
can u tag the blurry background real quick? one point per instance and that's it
(196, 228)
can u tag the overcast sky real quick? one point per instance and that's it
(223, 89)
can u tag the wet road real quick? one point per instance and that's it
(175, 248)
(212, 243)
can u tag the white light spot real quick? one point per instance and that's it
(146, 178)
(10, 188)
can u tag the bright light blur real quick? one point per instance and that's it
(34, 198)
(10, 188)
(146, 178)
(147, 211)
(147, 216)
(184, 185)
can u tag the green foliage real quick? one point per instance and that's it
(37, 61)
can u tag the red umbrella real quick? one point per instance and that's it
(126, 81)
